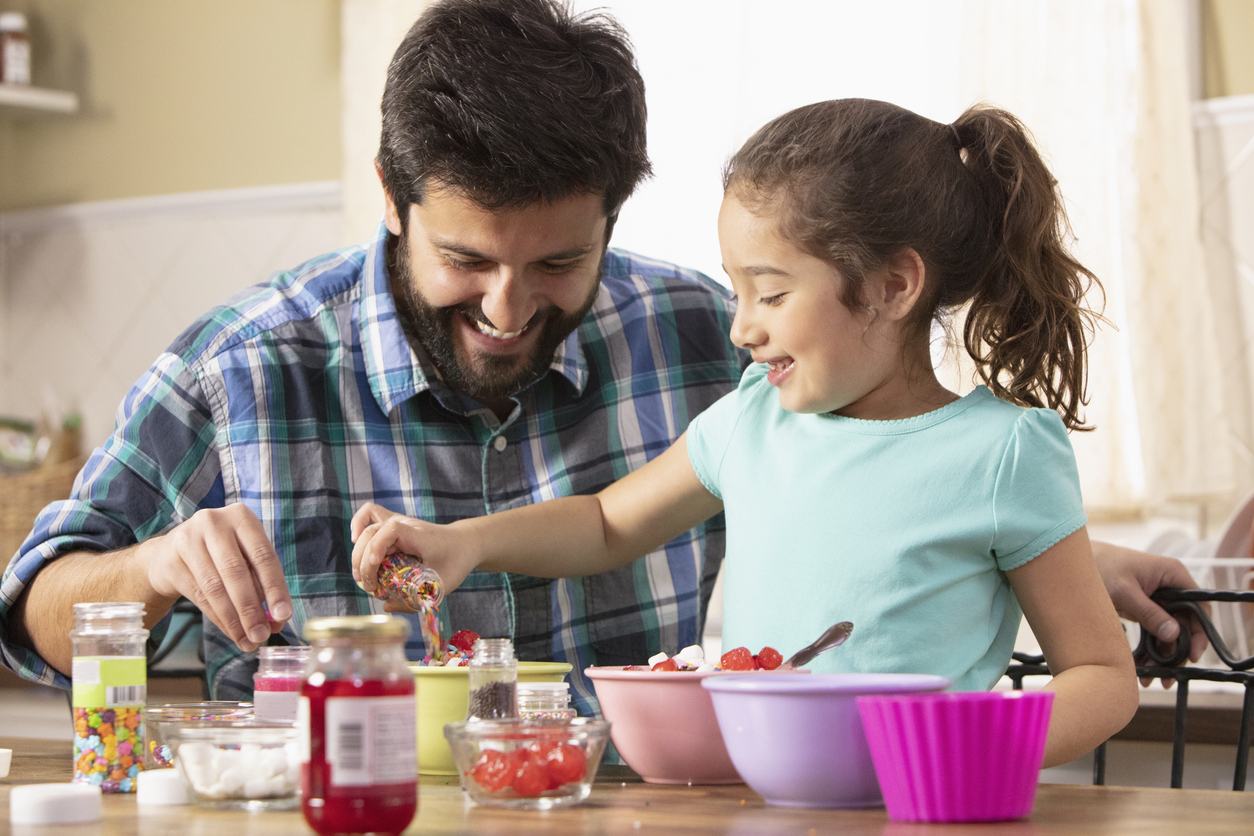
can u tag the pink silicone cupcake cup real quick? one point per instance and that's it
(973, 756)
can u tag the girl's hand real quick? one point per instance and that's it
(378, 532)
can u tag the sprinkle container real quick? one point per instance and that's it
(110, 687)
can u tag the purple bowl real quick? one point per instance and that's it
(798, 742)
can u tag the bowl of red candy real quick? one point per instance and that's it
(663, 722)
(529, 764)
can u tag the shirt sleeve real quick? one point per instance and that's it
(1036, 498)
(156, 469)
(710, 433)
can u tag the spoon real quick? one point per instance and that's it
(833, 637)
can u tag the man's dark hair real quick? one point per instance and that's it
(513, 102)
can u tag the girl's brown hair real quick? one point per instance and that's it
(857, 181)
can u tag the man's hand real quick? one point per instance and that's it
(222, 561)
(1131, 577)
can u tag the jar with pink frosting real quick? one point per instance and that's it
(276, 685)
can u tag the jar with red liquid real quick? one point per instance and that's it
(357, 716)
(276, 684)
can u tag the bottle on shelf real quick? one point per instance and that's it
(14, 49)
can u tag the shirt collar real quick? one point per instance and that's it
(398, 370)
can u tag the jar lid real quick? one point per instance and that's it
(12, 22)
(543, 687)
(357, 627)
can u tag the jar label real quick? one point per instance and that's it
(104, 681)
(275, 705)
(371, 740)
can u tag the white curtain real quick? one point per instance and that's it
(1103, 84)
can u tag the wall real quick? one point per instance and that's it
(176, 97)
(1227, 35)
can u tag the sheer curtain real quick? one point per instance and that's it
(1103, 84)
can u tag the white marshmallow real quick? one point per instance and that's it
(661, 657)
(708, 666)
(693, 654)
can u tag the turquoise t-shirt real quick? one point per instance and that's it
(905, 528)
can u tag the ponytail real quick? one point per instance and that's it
(1027, 326)
(856, 181)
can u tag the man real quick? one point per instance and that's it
(486, 350)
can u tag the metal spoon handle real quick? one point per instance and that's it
(834, 637)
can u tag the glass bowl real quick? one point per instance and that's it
(238, 764)
(157, 717)
(527, 764)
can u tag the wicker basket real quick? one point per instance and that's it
(22, 497)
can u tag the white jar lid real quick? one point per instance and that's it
(543, 687)
(160, 786)
(53, 803)
(12, 22)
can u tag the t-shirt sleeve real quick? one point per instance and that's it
(710, 433)
(154, 471)
(1036, 498)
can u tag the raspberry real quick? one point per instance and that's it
(464, 640)
(737, 659)
(666, 665)
(769, 658)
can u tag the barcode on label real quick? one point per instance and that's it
(351, 745)
(126, 695)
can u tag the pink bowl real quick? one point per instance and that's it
(972, 756)
(663, 723)
(798, 742)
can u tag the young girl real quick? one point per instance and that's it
(856, 487)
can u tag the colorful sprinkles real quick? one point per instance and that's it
(108, 747)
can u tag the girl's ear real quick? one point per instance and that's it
(901, 284)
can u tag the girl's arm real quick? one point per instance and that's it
(1094, 684)
(561, 538)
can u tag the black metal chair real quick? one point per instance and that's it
(192, 623)
(1155, 663)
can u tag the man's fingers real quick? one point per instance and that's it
(267, 568)
(238, 584)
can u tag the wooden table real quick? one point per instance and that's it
(630, 807)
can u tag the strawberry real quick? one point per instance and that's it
(464, 640)
(566, 764)
(666, 665)
(737, 659)
(532, 777)
(769, 658)
(494, 770)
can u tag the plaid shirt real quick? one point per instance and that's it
(303, 399)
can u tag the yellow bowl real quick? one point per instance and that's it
(443, 696)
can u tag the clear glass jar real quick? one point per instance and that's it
(110, 689)
(404, 580)
(276, 684)
(493, 674)
(357, 718)
(544, 701)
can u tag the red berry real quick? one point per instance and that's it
(737, 659)
(769, 658)
(567, 764)
(666, 665)
(532, 777)
(494, 770)
(464, 640)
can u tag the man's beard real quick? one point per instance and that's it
(485, 377)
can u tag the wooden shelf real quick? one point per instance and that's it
(14, 97)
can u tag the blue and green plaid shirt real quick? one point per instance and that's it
(303, 399)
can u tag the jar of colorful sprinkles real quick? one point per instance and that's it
(110, 688)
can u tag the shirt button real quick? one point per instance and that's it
(500, 443)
